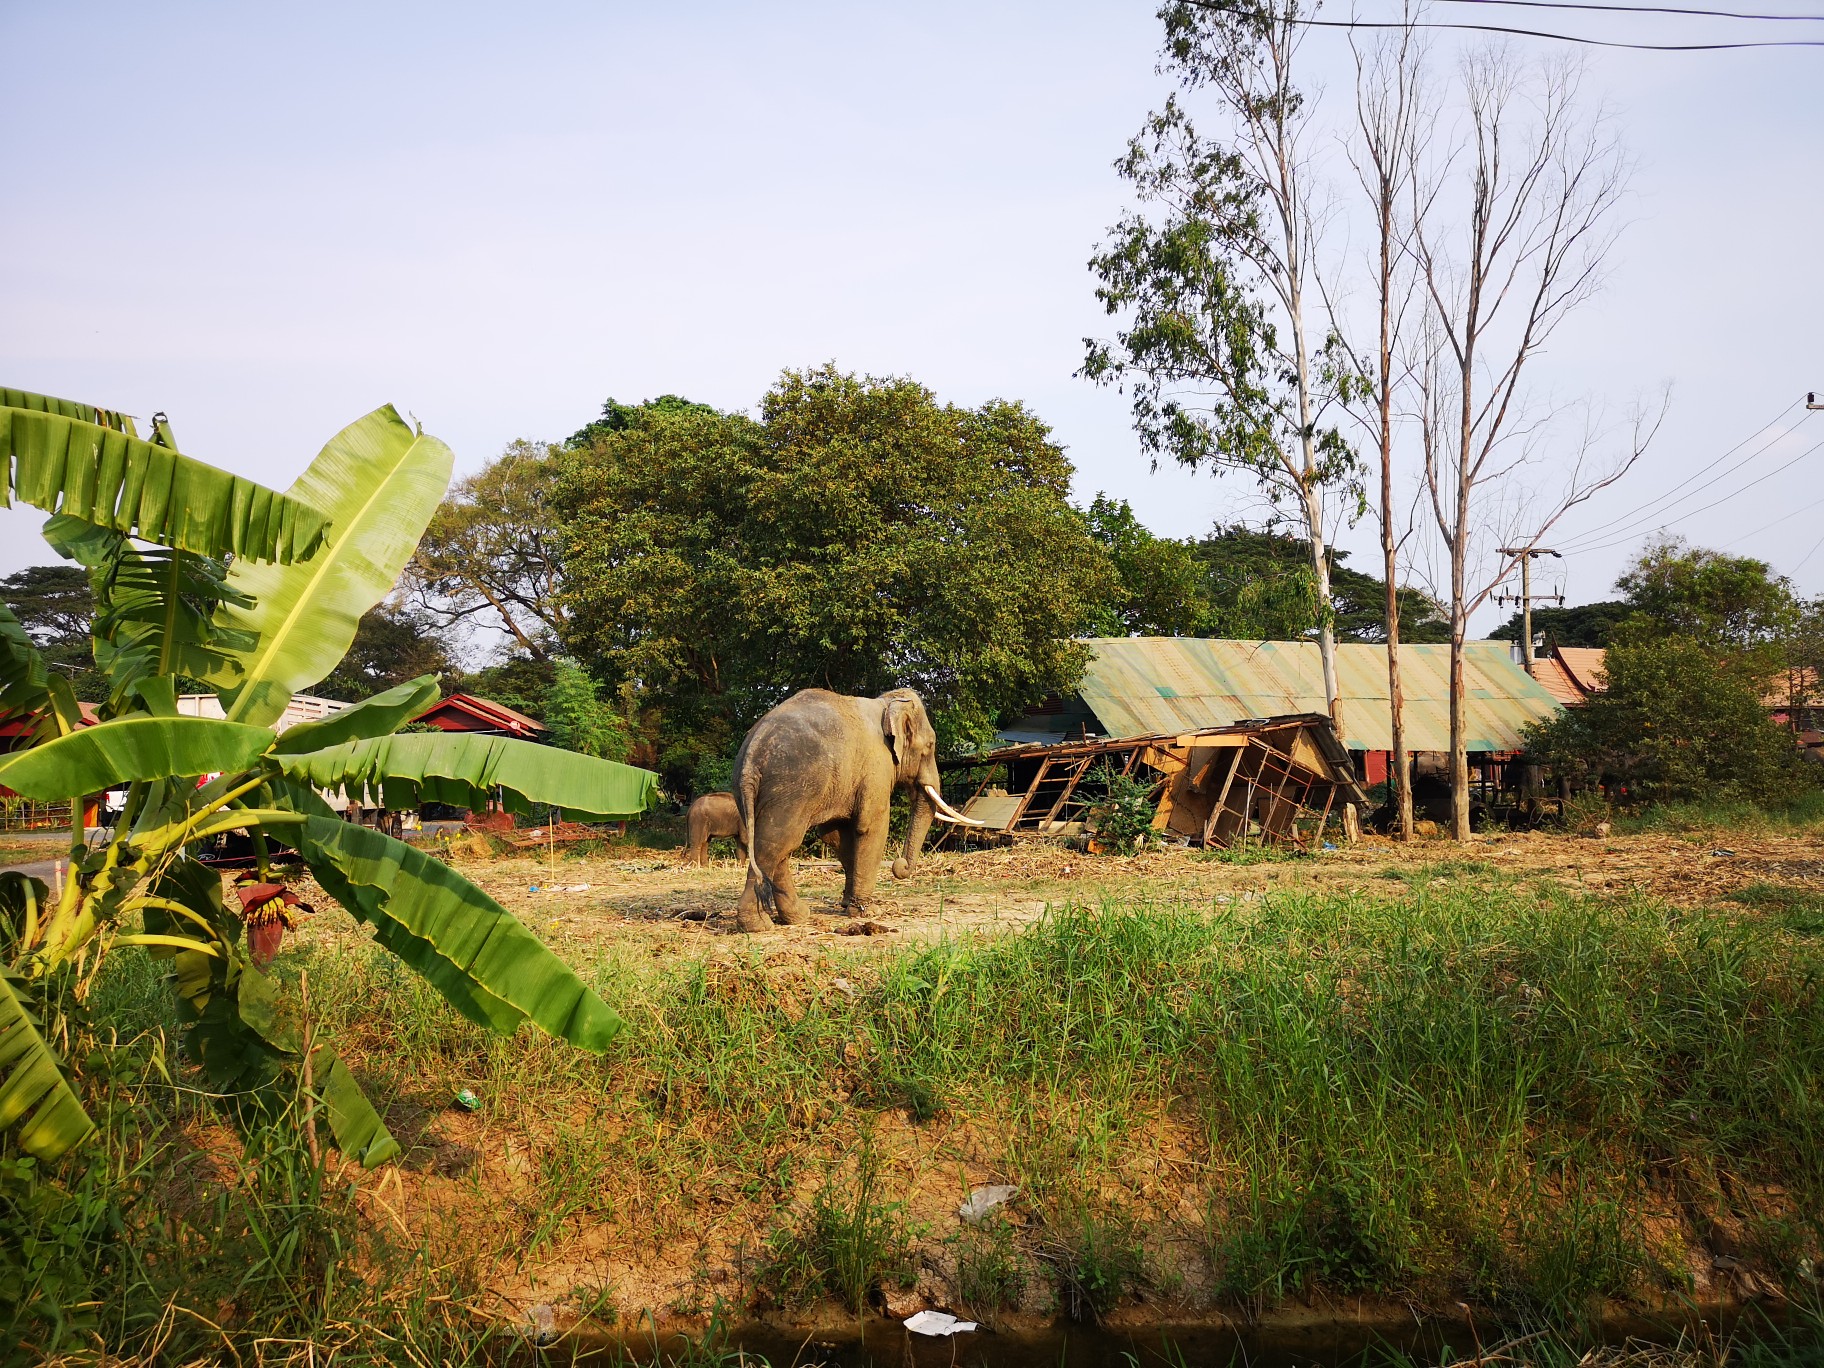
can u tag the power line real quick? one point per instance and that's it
(1501, 28)
(1682, 517)
(1775, 523)
(1644, 9)
(1661, 502)
(1808, 555)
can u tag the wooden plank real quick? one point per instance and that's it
(1026, 798)
(1070, 787)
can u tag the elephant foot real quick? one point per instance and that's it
(851, 908)
(901, 870)
(792, 912)
(751, 920)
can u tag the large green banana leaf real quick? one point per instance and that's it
(378, 482)
(467, 946)
(131, 748)
(104, 476)
(34, 1094)
(23, 674)
(69, 408)
(420, 767)
(381, 715)
(359, 1131)
(153, 606)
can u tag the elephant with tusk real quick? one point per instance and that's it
(830, 761)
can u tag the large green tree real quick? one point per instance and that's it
(858, 535)
(55, 606)
(1160, 588)
(1676, 722)
(1726, 603)
(1684, 711)
(1212, 282)
(1241, 583)
(618, 417)
(493, 555)
(1582, 624)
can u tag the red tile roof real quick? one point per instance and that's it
(1570, 673)
(467, 713)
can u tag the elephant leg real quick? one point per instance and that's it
(862, 867)
(750, 912)
(786, 901)
(841, 836)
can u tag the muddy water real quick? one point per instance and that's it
(1310, 1341)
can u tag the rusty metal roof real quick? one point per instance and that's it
(1139, 686)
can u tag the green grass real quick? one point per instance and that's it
(846, 1245)
(1805, 813)
(1797, 909)
(1471, 1090)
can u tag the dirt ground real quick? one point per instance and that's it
(653, 898)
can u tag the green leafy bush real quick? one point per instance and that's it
(1123, 819)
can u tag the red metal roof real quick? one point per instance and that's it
(467, 713)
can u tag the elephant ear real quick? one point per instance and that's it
(899, 723)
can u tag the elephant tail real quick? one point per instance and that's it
(744, 808)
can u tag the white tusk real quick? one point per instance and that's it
(948, 813)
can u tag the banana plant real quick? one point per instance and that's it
(201, 574)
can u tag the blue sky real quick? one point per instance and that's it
(267, 220)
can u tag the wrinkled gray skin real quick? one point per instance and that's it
(827, 760)
(714, 814)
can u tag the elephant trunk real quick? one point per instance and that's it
(922, 814)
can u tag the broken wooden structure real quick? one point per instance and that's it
(1276, 780)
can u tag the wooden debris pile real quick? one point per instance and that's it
(1276, 781)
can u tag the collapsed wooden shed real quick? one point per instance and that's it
(1276, 780)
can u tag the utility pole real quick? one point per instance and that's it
(1524, 598)
(1811, 402)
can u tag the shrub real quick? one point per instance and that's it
(1677, 721)
(1123, 819)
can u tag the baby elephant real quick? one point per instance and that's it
(714, 814)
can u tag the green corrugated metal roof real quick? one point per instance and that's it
(1143, 686)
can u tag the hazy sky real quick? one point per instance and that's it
(267, 220)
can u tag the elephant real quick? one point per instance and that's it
(828, 760)
(714, 814)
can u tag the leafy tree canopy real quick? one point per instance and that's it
(857, 536)
(1676, 722)
(492, 554)
(54, 603)
(1584, 624)
(1240, 583)
(618, 417)
(56, 606)
(1162, 589)
(578, 718)
(1725, 603)
(518, 681)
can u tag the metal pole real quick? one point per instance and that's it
(1525, 555)
(1526, 612)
